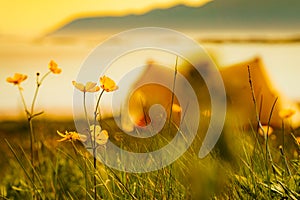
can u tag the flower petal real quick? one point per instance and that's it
(63, 139)
(83, 138)
(79, 86)
(53, 67)
(59, 133)
(108, 84)
(53, 64)
(95, 89)
(90, 85)
(10, 80)
(17, 78)
(102, 137)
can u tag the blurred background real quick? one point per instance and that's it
(234, 31)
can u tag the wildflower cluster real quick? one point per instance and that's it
(96, 134)
(16, 80)
(101, 135)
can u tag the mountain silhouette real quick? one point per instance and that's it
(281, 15)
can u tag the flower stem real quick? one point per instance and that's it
(32, 140)
(42, 79)
(86, 116)
(23, 101)
(32, 115)
(38, 84)
(29, 118)
(97, 106)
(95, 169)
(94, 144)
(84, 106)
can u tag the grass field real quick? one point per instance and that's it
(251, 169)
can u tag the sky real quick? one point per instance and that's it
(35, 17)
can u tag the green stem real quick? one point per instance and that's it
(282, 124)
(97, 106)
(23, 101)
(86, 116)
(95, 169)
(32, 140)
(268, 153)
(42, 79)
(38, 84)
(85, 178)
(121, 182)
(31, 115)
(90, 135)
(94, 144)
(30, 132)
(23, 167)
(84, 106)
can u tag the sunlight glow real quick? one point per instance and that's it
(32, 17)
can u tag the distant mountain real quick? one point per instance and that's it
(281, 15)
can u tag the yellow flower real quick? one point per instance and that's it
(88, 87)
(16, 79)
(101, 135)
(286, 113)
(108, 84)
(71, 136)
(54, 67)
(264, 130)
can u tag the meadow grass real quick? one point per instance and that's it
(65, 170)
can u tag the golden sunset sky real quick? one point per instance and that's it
(31, 19)
(35, 17)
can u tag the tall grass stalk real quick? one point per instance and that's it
(268, 153)
(170, 120)
(30, 177)
(173, 92)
